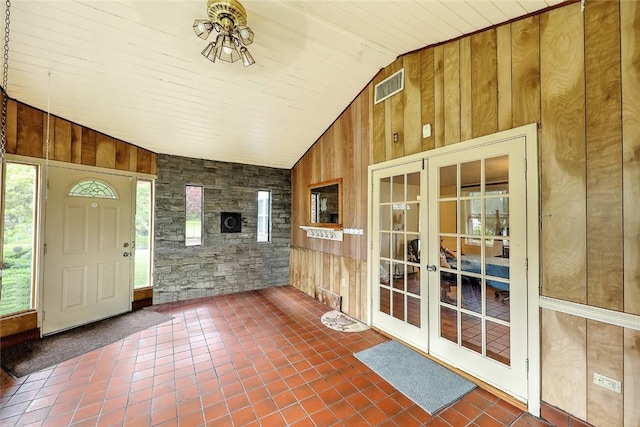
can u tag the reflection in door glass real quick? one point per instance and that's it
(385, 190)
(499, 342)
(398, 305)
(470, 178)
(397, 189)
(449, 324)
(471, 327)
(448, 181)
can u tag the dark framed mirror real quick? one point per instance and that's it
(325, 203)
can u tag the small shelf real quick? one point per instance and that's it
(326, 233)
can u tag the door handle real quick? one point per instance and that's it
(126, 254)
(431, 268)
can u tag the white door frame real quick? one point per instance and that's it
(530, 133)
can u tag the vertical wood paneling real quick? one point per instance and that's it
(526, 70)
(29, 139)
(427, 100)
(412, 108)
(89, 147)
(122, 155)
(630, 47)
(564, 362)
(144, 160)
(438, 95)
(397, 116)
(60, 140)
(631, 375)
(379, 149)
(503, 50)
(563, 189)
(484, 82)
(12, 126)
(76, 144)
(133, 158)
(452, 93)
(604, 343)
(466, 107)
(105, 152)
(363, 183)
(310, 268)
(604, 156)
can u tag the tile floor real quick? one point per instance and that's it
(250, 359)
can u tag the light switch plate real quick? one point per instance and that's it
(426, 130)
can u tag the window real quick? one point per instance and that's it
(93, 188)
(142, 266)
(193, 215)
(264, 216)
(19, 218)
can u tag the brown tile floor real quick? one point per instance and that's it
(256, 358)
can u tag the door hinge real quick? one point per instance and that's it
(525, 165)
(45, 248)
(43, 316)
(526, 364)
(526, 265)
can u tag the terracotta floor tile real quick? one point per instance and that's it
(233, 360)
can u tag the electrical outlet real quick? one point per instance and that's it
(607, 382)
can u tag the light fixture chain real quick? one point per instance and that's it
(5, 75)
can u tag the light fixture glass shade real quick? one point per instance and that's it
(246, 57)
(202, 28)
(246, 35)
(227, 51)
(209, 52)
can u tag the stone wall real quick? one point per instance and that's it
(224, 263)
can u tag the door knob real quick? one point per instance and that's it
(431, 268)
(126, 254)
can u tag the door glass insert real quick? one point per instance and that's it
(473, 212)
(144, 207)
(93, 188)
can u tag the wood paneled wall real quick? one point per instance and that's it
(576, 74)
(72, 143)
(68, 142)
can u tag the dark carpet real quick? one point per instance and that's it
(33, 356)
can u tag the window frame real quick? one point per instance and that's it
(151, 231)
(186, 237)
(268, 218)
(37, 219)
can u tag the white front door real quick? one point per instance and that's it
(88, 229)
(477, 258)
(399, 289)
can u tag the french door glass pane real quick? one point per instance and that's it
(474, 262)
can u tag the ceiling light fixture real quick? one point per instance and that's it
(229, 19)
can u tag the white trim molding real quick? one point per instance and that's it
(611, 317)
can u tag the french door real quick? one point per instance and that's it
(477, 257)
(449, 258)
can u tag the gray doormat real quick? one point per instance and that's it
(32, 356)
(429, 385)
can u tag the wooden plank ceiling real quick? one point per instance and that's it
(132, 69)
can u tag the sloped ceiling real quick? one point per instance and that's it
(132, 69)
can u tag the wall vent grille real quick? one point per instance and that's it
(389, 86)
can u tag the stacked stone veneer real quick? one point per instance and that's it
(226, 262)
